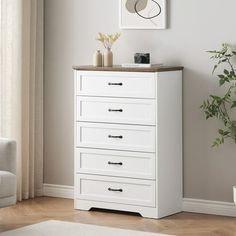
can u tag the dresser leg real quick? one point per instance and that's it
(149, 213)
(82, 206)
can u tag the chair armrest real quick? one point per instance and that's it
(8, 155)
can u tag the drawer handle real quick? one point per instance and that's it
(115, 84)
(115, 110)
(115, 163)
(115, 190)
(113, 136)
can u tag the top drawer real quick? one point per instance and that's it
(115, 84)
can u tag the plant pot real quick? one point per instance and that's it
(234, 192)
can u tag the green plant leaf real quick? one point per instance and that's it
(221, 131)
(234, 104)
(213, 51)
(221, 82)
(221, 76)
(224, 60)
(214, 68)
(226, 72)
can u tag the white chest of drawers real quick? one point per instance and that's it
(128, 139)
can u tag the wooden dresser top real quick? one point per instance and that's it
(153, 68)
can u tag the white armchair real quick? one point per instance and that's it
(7, 172)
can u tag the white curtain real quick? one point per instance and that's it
(21, 89)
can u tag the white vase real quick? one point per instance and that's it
(234, 191)
(108, 58)
(97, 59)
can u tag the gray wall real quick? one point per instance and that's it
(194, 27)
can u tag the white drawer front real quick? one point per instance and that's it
(118, 137)
(117, 190)
(116, 84)
(115, 163)
(115, 110)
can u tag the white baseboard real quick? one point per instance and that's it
(209, 207)
(61, 191)
(189, 204)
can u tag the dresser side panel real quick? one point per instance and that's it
(169, 143)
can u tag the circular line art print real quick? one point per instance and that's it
(143, 14)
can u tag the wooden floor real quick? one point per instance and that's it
(186, 224)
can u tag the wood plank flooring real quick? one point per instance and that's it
(184, 224)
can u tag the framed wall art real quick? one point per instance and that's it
(143, 14)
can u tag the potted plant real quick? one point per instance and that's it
(108, 40)
(221, 107)
(234, 190)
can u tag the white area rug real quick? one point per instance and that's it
(61, 228)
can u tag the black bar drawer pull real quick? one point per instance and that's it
(115, 190)
(115, 163)
(113, 136)
(115, 110)
(115, 84)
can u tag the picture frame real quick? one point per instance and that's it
(143, 14)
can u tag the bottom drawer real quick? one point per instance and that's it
(116, 190)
